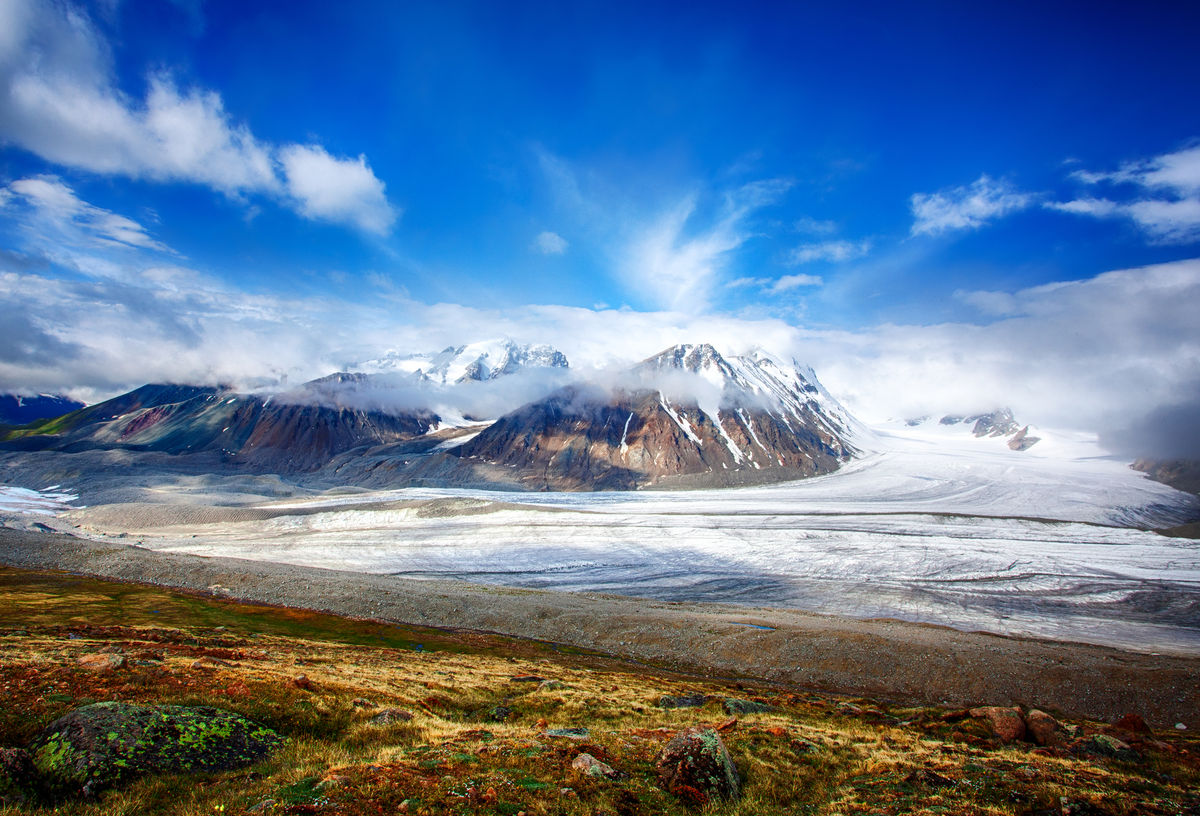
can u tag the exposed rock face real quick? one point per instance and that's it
(104, 744)
(997, 424)
(748, 417)
(696, 761)
(1022, 441)
(265, 434)
(1181, 474)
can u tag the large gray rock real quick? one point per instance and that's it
(695, 766)
(104, 744)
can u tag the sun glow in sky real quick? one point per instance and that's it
(941, 206)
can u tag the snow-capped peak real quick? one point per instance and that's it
(486, 360)
(759, 379)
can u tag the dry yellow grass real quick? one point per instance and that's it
(475, 742)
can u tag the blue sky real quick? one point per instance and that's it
(337, 178)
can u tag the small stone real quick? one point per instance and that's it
(1044, 729)
(261, 807)
(566, 733)
(590, 766)
(102, 663)
(208, 663)
(391, 715)
(499, 713)
(302, 682)
(1110, 746)
(727, 725)
(685, 701)
(736, 706)
(1180, 727)
(1133, 724)
(1007, 723)
(362, 702)
(551, 685)
(929, 779)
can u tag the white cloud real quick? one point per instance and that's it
(789, 282)
(340, 190)
(968, 207)
(1178, 172)
(550, 243)
(57, 214)
(675, 270)
(1168, 209)
(677, 264)
(1091, 354)
(1088, 354)
(743, 283)
(59, 99)
(776, 286)
(813, 226)
(1098, 207)
(670, 252)
(836, 251)
(1168, 222)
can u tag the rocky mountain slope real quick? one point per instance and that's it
(687, 415)
(280, 434)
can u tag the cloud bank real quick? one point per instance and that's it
(95, 305)
(60, 100)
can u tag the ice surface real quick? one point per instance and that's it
(37, 502)
(942, 528)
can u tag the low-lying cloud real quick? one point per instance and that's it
(91, 312)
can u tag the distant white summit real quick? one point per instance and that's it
(486, 360)
(758, 379)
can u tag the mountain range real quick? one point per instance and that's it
(689, 416)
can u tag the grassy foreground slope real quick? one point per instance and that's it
(467, 738)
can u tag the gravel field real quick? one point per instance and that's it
(884, 658)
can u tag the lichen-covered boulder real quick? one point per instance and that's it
(695, 766)
(104, 744)
(735, 706)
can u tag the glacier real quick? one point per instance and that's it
(934, 526)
